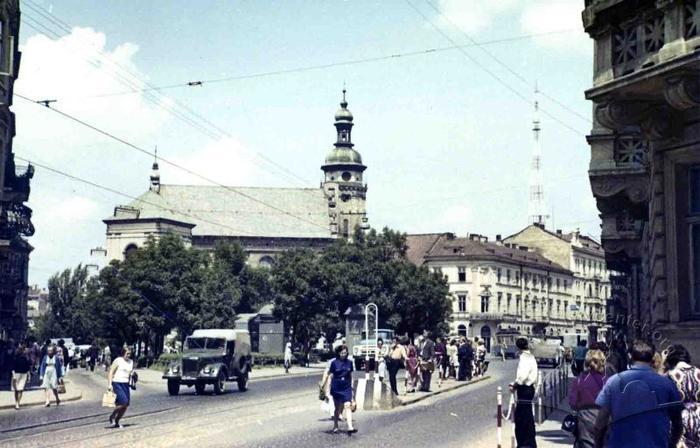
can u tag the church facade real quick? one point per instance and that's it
(264, 221)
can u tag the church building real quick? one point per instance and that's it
(264, 221)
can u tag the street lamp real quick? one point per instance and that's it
(368, 309)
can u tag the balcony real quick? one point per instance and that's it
(15, 220)
(494, 317)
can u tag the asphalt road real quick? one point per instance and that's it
(273, 412)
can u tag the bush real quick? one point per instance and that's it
(263, 359)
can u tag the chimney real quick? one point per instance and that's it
(559, 232)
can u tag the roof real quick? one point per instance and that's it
(229, 335)
(447, 246)
(419, 245)
(240, 211)
(584, 242)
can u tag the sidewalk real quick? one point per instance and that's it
(447, 385)
(35, 396)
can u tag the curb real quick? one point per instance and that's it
(440, 391)
(310, 372)
(76, 397)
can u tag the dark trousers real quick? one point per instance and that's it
(465, 370)
(425, 376)
(393, 366)
(524, 419)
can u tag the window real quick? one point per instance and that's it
(462, 274)
(693, 222)
(499, 300)
(518, 304)
(507, 275)
(346, 176)
(498, 275)
(484, 304)
(346, 229)
(462, 303)
(462, 330)
(517, 277)
(509, 298)
(557, 284)
(566, 284)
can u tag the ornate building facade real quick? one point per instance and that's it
(645, 161)
(15, 217)
(264, 221)
(504, 286)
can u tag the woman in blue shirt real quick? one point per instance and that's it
(340, 372)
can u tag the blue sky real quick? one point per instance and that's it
(447, 146)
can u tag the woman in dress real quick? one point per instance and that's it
(51, 374)
(687, 380)
(380, 359)
(340, 372)
(21, 366)
(118, 378)
(411, 368)
(582, 395)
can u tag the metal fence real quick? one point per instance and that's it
(552, 387)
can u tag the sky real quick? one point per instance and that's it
(445, 132)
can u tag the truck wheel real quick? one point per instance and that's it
(199, 388)
(220, 384)
(173, 387)
(243, 381)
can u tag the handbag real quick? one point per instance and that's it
(570, 424)
(322, 393)
(109, 399)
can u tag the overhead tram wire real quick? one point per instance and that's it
(204, 82)
(189, 116)
(173, 164)
(510, 88)
(504, 65)
(117, 192)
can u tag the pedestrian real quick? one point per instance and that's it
(639, 407)
(579, 357)
(582, 394)
(452, 358)
(687, 380)
(466, 359)
(427, 361)
(45, 348)
(51, 374)
(411, 368)
(380, 359)
(480, 358)
(524, 387)
(340, 373)
(441, 360)
(93, 354)
(287, 357)
(107, 357)
(118, 378)
(21, 366)
(397, 359)
(64, 355)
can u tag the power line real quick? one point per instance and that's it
(173, 164)
(203, 82)
(124, 75)
(117, 192)
(504, 65)
(489, 72)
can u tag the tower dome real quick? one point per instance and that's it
(342, 153)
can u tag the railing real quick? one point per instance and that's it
(551, 389)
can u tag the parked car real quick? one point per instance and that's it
(547, 351)
(368, 347)
(212, 357)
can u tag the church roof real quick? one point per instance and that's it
(240, 211)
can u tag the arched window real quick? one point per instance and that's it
(266, 262)
(130, 249)
(462, 330)
(346, 228)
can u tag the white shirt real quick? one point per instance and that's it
(123, 371)
(527, 369)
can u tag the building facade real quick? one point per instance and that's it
(15, 216)
(500, 286)
(645, 161)
(37, 305)
(264, 221)
(585, 259)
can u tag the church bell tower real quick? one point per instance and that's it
(343, 182)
